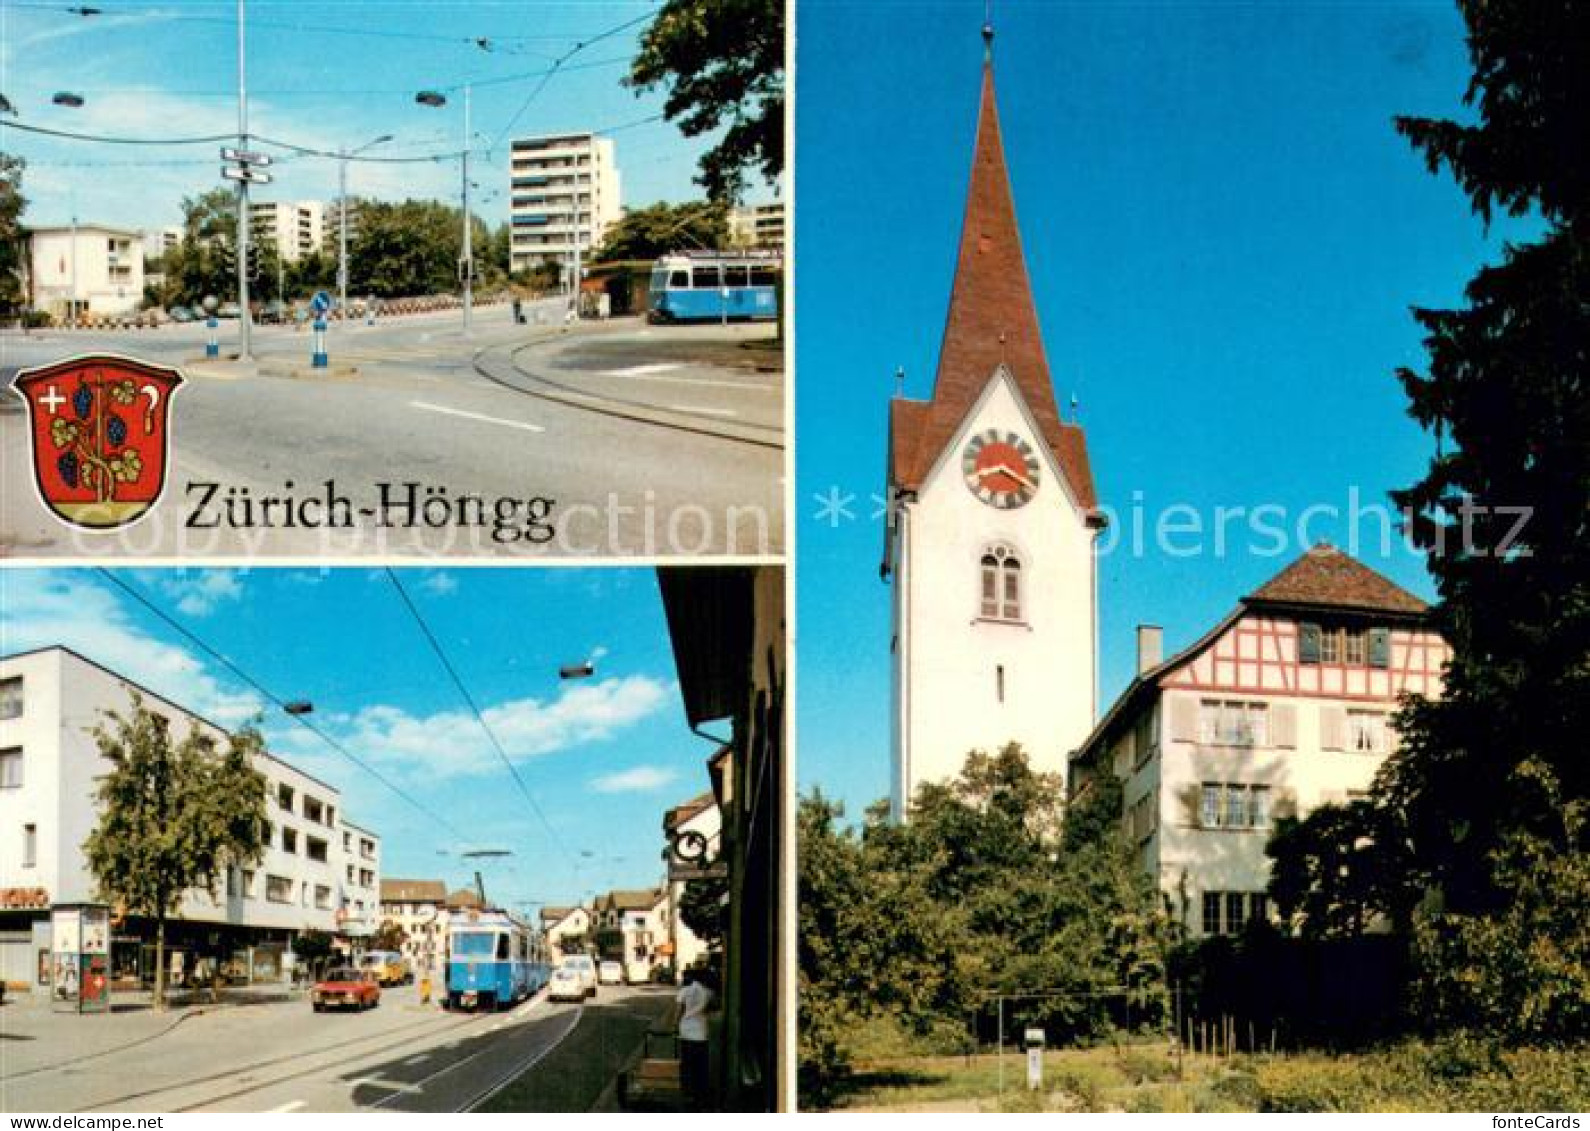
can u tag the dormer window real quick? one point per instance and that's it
(1001, 584)
(1335, 644)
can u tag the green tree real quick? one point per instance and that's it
(173, 816)
(722, 64)
(1486, 793)
(12, 246)
(406, 249)
(647, 233)
(986, 889)
(389, 936)
(313, 950)
(1334, 871)
(701, 909)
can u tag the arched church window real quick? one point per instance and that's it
(1001, 584)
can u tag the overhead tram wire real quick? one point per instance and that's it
(281, 704)
(458, 682)
(558, 66)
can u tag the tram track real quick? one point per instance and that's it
(542, 387)
(393, 1038)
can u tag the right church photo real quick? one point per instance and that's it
(1191, 496)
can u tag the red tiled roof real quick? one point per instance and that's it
(413, 891)
(992, 321)
(1327, 578)
(679, 814)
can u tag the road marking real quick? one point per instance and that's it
(713, 383)
(644, 370)
(421, 1059)
(520, 424)
(294, 1106)
(703, 411)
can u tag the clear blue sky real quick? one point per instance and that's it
(322, 75)
(604, 757)
(1225, 236)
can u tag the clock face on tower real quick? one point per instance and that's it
(1001, 469)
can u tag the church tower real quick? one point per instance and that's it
(991, 522)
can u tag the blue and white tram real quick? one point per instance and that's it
(494, 960)
(715, 286)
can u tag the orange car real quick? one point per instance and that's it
(343, 987)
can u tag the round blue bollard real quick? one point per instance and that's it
(320, 343)
(212, 348)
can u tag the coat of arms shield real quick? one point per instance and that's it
(101, 436)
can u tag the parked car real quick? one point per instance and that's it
(181, 314)
(610, 973)
(344, 987)
(273, 312)
(584, 966)
(229, 310)
(567, 985)
(389, 967)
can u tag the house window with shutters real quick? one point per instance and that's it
(1333, 644)
(1232, 723)
(1000, 593)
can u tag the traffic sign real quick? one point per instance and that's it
(321, 302)
(245, 157)
(252, 176)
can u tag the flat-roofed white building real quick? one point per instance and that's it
(565, 193)
(1282, 707)
(50, 701)
(758, 225)
(295, 228)
(85, 269)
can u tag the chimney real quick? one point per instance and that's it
(1150, 647)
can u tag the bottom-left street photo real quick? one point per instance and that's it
(350, 839)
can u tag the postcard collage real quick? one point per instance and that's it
(714, 556)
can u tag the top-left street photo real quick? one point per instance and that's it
(392, 280)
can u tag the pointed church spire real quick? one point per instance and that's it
(992, 322)
(992, 317)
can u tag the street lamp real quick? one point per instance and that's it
(436, 99)
(342, 219)
(71, 101)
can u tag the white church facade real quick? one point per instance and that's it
(992, 523)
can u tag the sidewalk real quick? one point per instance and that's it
(33, 1036)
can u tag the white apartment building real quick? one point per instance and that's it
(565, 192)
(319, 872)
(158, 241)
(634, 927)
(758, 226)
(1282, 707)
(85, 269)
(419, 909)
(567, 930)
(295, 228)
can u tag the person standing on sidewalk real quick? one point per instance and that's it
(695, 999)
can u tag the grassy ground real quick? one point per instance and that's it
(1449, 1076)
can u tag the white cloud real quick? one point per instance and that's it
(197, 593)
(69, 608)
(439, 583)
(639, 779)
(451, 744)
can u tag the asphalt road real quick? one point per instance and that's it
(607, 440)
(401, 1056)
